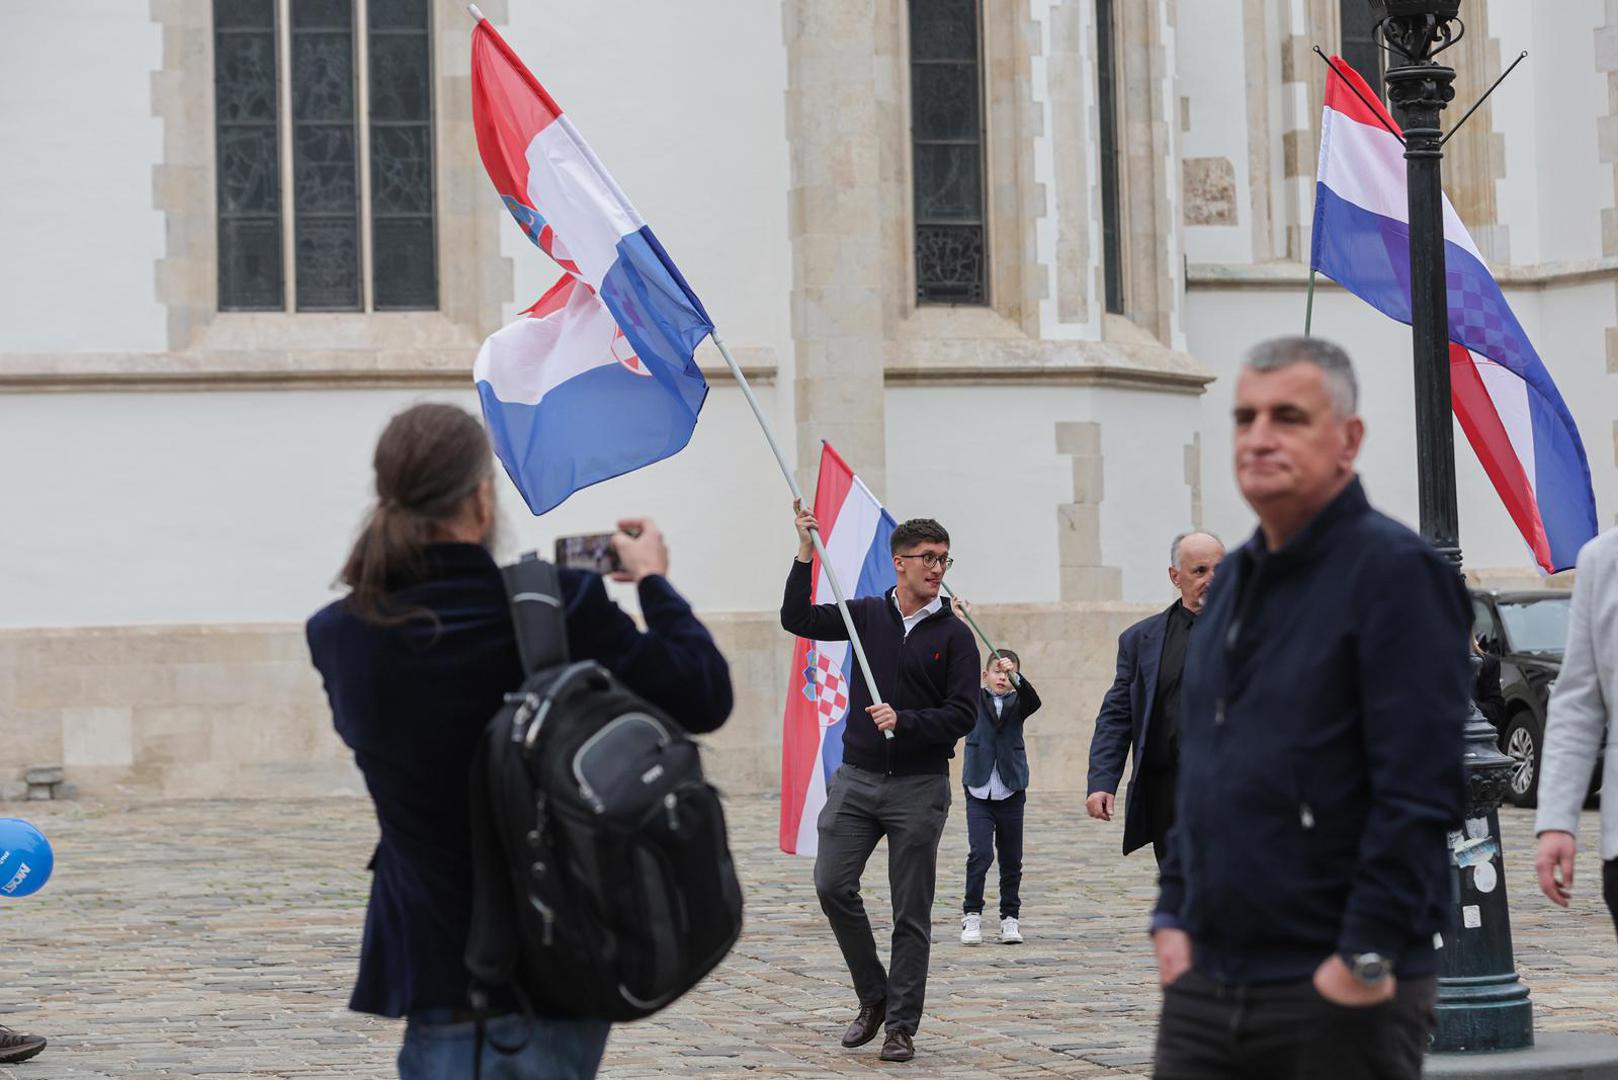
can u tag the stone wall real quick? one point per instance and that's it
(215, 711)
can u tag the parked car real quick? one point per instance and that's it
(1526, 630)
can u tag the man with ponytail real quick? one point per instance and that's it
(416, 658)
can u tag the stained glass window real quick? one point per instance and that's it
(325, 156)
(404, 272)
(249, 158)
(1112, 254)
(946, 119)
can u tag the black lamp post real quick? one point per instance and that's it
(1481, 1003)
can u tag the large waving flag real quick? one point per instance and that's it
(856, 530)
(1501, 392)
(597, 378)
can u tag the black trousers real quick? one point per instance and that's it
(991, 824)
(861, 808)
(1609, 888)
(1218, 1031)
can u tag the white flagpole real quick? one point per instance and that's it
(814, 534)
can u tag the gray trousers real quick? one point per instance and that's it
(861, 808)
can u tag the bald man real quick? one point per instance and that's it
(1140, 716)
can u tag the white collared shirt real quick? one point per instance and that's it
(995, 789)
(911, 621)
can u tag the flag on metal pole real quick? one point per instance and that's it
(855, 530)
(1502, 393)
(597, 378)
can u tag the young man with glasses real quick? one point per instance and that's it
(925, 664)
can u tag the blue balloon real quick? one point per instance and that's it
(25, 858)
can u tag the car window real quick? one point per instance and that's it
(1485, 629)
(1536, 626)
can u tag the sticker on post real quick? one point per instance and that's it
(1484, 877)
(1471, 916)
(1474, 852)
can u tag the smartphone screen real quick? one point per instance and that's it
(592, 552)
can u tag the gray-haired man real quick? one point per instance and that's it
(1140, 714)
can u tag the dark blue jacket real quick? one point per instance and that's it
(1324, 696)
(930, 678)
(1126, 713)
(997, 742)
(412, 700)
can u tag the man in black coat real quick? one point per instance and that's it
(894, 779)
(1323, 700)
(1140, 715)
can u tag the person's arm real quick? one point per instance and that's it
(817, 622)
(1027, 698)
(1114, 729)
(958, 714)
(1574, 724)
(674, 662)
(1411, 623)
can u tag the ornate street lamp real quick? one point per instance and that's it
(1481, 1003)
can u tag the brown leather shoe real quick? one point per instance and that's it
(865, 1025)
(898, 1047)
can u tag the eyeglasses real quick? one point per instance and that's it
(930, 559)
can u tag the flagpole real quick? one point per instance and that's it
(1309, 305)
(814, 534)
(1016, 679)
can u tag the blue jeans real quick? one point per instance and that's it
(437, 1049)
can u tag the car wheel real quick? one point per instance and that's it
(1521, 743)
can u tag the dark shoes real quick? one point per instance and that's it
(15, 1047)
(898, 1047)
(865, 1025)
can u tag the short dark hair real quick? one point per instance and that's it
(1005, 654)
(918, 531)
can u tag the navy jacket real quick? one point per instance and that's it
(930, 678)
(1126, 713)
(412, 700)
(997, 742)
(1324, 696)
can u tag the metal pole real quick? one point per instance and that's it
(1481, 1004)
(1016, 679)
(1309, 305)
(814, 534)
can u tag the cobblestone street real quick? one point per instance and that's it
(214, 939)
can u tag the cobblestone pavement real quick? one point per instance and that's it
(218, 939)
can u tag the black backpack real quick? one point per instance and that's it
(603, 883)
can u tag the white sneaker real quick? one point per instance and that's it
(1010, 932)
(972, 929)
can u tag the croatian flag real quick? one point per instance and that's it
(1501, 392)
(856, 530)
(597, 378)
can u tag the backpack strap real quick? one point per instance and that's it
(535, 590)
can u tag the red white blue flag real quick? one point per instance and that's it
(1501, 392)
(597, 378)
(856, 531)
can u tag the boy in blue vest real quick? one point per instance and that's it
(996, 781)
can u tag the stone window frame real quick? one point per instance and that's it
(1473, 160)
(475, 280)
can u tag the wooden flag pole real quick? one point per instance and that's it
(814, 534)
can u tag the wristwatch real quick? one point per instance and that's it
(1368, 967)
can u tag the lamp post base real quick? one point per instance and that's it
(1558, 1055)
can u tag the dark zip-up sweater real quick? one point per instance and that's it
(930, 678)
(1321, 710)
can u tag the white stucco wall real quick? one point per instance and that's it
(81, 238)
(983, 461)
(1212, 77)
(1566, 326)
(1570, 95)
(240, 506)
